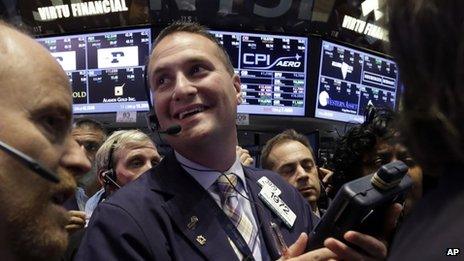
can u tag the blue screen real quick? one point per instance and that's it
(350, 79)
(106, 69)
(272, 69)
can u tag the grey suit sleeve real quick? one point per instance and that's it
(113, 234)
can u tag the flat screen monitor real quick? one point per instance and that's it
(272, 69)
(106, 69)
(350, 79)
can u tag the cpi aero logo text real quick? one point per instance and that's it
(263, 61)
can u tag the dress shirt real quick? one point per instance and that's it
(206, 177)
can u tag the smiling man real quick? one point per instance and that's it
(32, 220)
(200, 203)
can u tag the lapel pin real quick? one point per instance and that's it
(201, 240)
(193, 222)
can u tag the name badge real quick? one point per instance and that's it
(277, 205)
(264, 181)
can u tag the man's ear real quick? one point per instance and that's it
(100, 178)
(237, 86)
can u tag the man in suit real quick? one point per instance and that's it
(290, 155)
(200, 203)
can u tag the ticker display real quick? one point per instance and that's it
(272, 70)
(106, 69)
(350, 79)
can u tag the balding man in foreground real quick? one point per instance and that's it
(32, 220)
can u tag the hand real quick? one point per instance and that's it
(76, 221)
(244, 156)
(326, 175)
(374, 248)
(296, 251)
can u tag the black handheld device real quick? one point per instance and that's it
(360, 205)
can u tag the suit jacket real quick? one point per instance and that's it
(151, 219)
(71, 203)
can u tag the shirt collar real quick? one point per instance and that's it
(206, 176)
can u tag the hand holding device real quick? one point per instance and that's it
(361, 204)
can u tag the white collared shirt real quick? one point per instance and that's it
(206, 177)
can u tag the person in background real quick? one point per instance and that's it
(32, 219)
(427, 42)
(244, 156)
(365, 148)
(90, 135)
(122, 158)
(290, 154)
(77, 165)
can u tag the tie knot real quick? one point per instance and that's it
(226, 184)
(229, 178)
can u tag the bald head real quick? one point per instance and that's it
(20, 51)
(35, 113)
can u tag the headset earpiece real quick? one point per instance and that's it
(152, 120)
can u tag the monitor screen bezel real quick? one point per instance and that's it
(317, 47)
(109, 30)
(157, 30)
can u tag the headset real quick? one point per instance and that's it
(152, 119)
(109, 176)
(29, 162)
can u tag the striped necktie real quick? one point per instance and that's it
(226, 185)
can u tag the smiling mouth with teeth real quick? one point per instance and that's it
(188, 113)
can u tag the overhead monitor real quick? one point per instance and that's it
(350, 79)
(106, 69)
(272, 69)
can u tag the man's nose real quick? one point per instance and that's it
(75, 160)
(184, 87)
(301, 174)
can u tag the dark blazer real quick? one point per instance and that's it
(71, 203)
(149, 219)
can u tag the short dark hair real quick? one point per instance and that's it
(90, 123)
(360, 141)
(427, 41)
(195, 28)
(285, 136)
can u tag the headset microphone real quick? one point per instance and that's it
(172, 130)
(108, 180)
(29, 162)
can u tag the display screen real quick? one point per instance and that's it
(272, 70)
(350, 79)
(106, 69)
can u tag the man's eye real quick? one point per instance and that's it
(55, 125)
(287, 171)
(159, 81)
(380, 161)
(136, 163)
(308, 167)
(409, 162)
(196, 69)
(91, 147)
